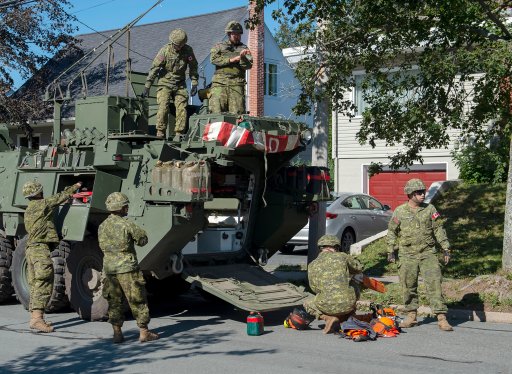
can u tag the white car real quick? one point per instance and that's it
(351, 217)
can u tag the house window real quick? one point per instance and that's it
(271, 79)
(359, 92)
(23, 141)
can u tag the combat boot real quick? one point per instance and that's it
(410, 320)
(443, 323)
(146, 335)
(160, 134)
(118, 334)
(332, 323)
(38, 323)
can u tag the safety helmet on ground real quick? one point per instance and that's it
(178, 37)
(414, 184)
(116, 201)
(235, 27)
(329, 241)
(32, 188)
(298, 319)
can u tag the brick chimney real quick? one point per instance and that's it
(256, 81)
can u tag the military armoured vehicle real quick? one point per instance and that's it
(215, 204)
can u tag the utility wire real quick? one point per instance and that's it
(94, 6)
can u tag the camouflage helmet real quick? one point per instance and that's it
(32, 188)
(329, 241)
(235, 27)
(178, 37)
(414, 184)
(116, 201)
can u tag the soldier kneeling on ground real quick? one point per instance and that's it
(116, 236)
(329, 278)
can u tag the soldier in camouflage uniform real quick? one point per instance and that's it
(231, 59)
(329, 277)
(415, 228)
(42, 239)
(117, 236)
(170, 65)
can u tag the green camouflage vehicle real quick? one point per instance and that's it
(215, 204)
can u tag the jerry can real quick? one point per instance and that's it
(255, 324)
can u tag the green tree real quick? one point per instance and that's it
(431, 67)
(31, 32)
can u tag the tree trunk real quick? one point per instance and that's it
(507, 234)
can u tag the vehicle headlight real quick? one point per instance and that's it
(305, 136)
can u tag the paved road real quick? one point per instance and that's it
(210, 337)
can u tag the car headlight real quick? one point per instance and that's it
(305, 136)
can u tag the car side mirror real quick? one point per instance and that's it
(386, 207)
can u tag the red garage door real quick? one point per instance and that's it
(388, 187)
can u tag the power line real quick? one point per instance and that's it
(94, 6)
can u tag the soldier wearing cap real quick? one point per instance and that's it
(117, 236)
(329, 277)
(170, 66)
(231, 59)
(42, 239)
(415, 228)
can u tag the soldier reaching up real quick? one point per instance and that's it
(415, 227)
(117, 236)
(42, 238)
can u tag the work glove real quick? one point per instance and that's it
(391, 257)
(145, 93)
(446, 257)
(193, 90)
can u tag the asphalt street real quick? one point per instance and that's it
(210, 336)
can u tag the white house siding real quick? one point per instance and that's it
(352, 159)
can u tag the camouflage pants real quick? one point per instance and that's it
(226, 98)
(333, 304)
(429, 268)
(133, 287)
(40, 275)
(164, 96)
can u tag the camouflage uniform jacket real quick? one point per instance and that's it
(330, 273)
(170, 66)
(39, 217)
(116, 236)
(226, 72)
(416, 231)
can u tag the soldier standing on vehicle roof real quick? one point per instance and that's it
(415, 227)
(42, 239)
(329, 277)
(170, 65)
(231, 59)
(117, 236)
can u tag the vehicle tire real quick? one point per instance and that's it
(6, 289)
(287, 249)
(19, 274)
(84, 281)
(347, 239)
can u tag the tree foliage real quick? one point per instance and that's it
(31, 32)
(430, 67)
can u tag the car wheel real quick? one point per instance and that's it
(287, 249)
(347, 239)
